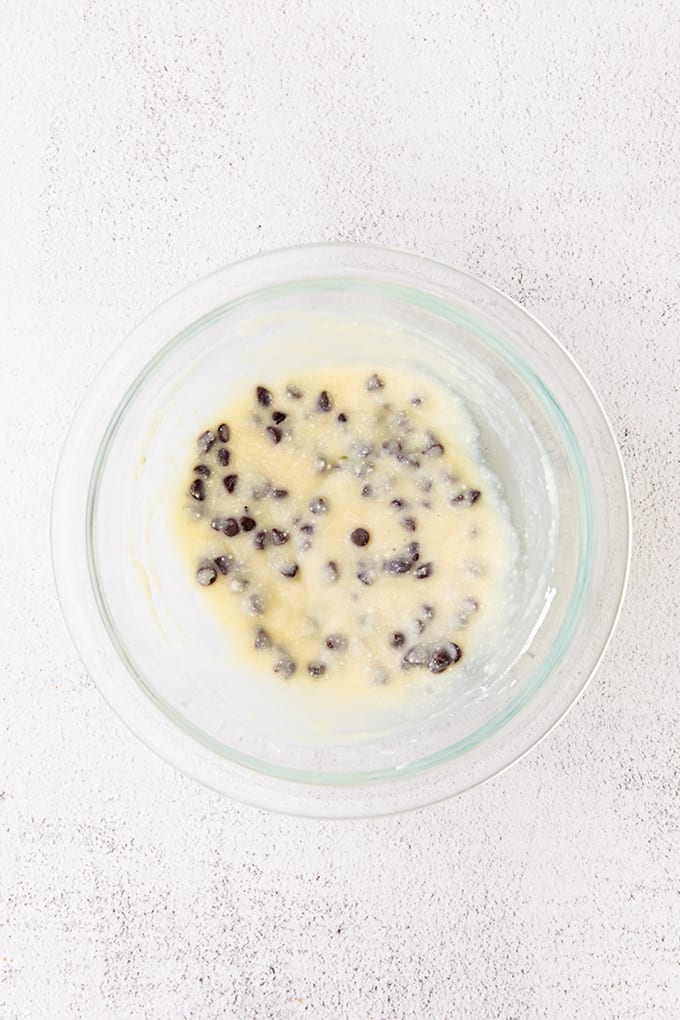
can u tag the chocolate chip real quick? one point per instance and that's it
(205, 441)
(247, 523)
(264, 397)
(218, 523)
(398, 504)
(336, 642)
(413, 550)
(256, 605)
(428, 612)
(278, 417)
(308, 529)
(331, 571)
(409, 523)
(424, 570)
(279, 493)
(433, 448)
(203, 470)
(274, 433)
(260, 539)
(418, 655)
(230, 482)
(262, 639)
(392, 447)
(367, 491)
(293, 392)
(316, 668)
(374, 382)
(206, 574)
(416, 401)
(443, 656)
(364, 449)
(360, 537)
(397, 639)
(466, 498)
(223, 433)
(231, 527)
(324, 401)
(223, 564)
(279, 537)
(318, 505)
(342, 417)
(365, 575)
(289, 570)
(398, 565)
(408, 458)
(286, 667)
(223, 456)
(197, 489)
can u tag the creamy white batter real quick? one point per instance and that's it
(341, 525)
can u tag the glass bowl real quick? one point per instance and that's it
(133, 609)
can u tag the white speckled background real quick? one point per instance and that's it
(143, 144)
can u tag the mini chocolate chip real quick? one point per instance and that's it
(364, 450)
(413, 550)
(205, 441)
(424, 570)
(206, 574)
(331, 571)
(286, 667)
(262, 639)
(260, 539)
(256, 605)
(247, 523)
(264, 397)
(223, 456)
(466, 498)
(336, 642)
(274, 433)
(398, 565)
(409, 523)
(366, 575)
(367, 491)
(398, 504)
(279, 537)
(289, 570)
(324, 401)
(279, 493)
(307, 528)
(197, 489)
(397, 639)
(416, 401)
(231, 527)
(293, 392)
(342, 417)
(443, 656)
(374, 382)
(218, 523)
(318, 505)
(360, 536)
(392, 447)
(418, 655)
(428, 612)
(203, 470)
(408, 458)
(223, 564)
(223, 433)
(278, 417)
(230, 482)
(316, 668)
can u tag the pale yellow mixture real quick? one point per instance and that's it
(341, 528)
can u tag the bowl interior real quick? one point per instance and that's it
(156, 618)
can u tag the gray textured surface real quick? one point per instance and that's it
(536, 145)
